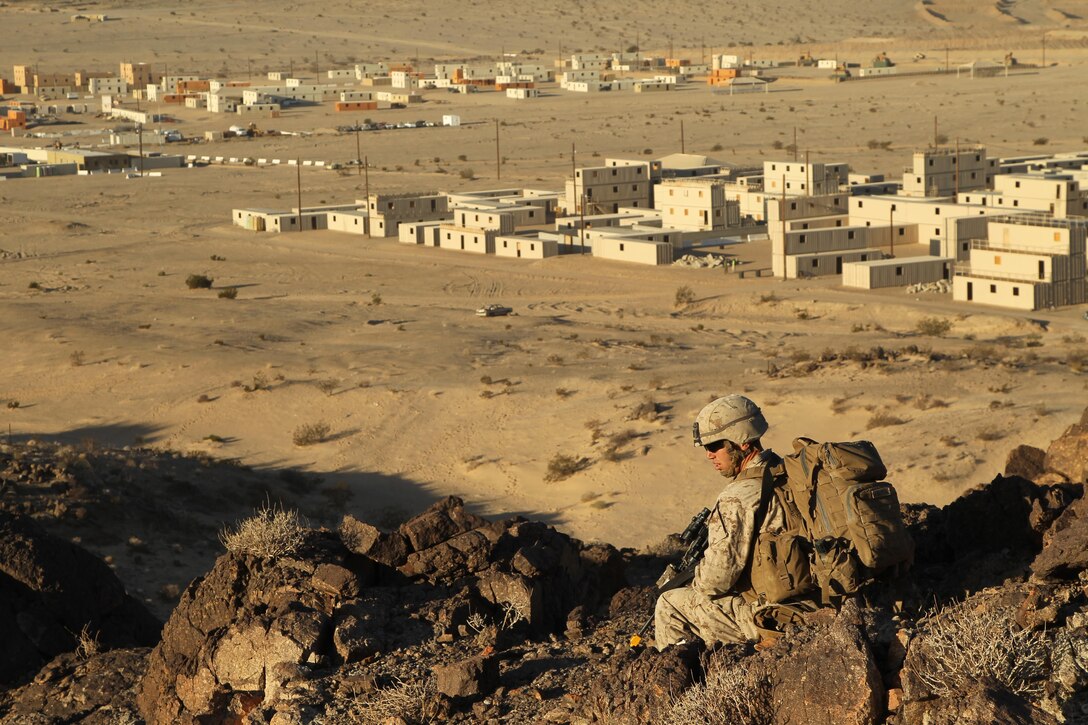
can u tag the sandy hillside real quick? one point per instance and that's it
(424, 399)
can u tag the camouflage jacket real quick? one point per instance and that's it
(732, 530)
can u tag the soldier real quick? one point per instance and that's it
(719, 604)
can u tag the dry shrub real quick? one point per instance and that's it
(933, 326)
(272, 531)
(883, 420)
(991, 434)
(726, 698)
(926, 402)
(228, 293)
(648, 410)
(198, 281)
(308, 434)
(964, 642)
(684, 296)
(410, 701)
(87, 645)
(563, 466)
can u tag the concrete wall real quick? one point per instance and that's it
(347, 221)
(478, 241)
(633, 250)
(822, 264)
(525, 247)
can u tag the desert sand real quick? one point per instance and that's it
(379, 340)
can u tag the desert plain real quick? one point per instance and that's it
(601, 361)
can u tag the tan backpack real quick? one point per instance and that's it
(843, 524)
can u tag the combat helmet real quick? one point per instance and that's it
(734, 418)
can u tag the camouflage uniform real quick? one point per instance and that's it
(712, 607)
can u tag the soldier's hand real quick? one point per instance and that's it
(667, 575)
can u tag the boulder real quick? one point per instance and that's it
(804, 690)
(982, 702)
(388, 548)
(1065, 550)
(468, 679)
(638, 686)
(242, 635)
(1026, 462)
(51, 590)
(442, 521)
(92, 690)
(1068, 455)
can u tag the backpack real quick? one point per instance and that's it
(843, 524)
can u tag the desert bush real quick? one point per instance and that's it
(875, 145)
(328, 387)
(725, 698)
(198, 281)
(408, 701)
(308, 434)
(926, 402)
(228, 293)
(34, 285)
(1041, 141)
(965, 642)
(375, 299)
(486, 379)
(555, 360)
(87, 645)
(272, 531)
(933, 326)
(883, 420)
(991, 434)
(684, 296)
(562, 466)
(77, 358)
(467, 174)
(563, 392)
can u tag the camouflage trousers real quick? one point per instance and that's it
(683, 614)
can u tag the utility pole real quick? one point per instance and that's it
(1044, 50)
(891, 228)
(249, 68)
(808, 176)
(582, 221)
(140, 140)
(956, 166)
(298, 176)
(358, 158)
(317, 69)
(366, 182)
(782, 214)
(498, 158)
(935, 132)
(682, 146)
(947, 65)
(794, 143)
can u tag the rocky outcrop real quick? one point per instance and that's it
(1065, 549)
(1068, 455)
(51, 593)
(92, 690)
(253, 628)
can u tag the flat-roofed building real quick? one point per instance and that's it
(1026, 262)
(604, 189)
(797, 178)
(387, 211)
(696, 204)
(946, 171)
(1059, 194)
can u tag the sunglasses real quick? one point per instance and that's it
(715, 446)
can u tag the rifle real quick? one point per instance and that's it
(695, 536)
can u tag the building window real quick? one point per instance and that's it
(860, 204)
(893, 207)
(993, 289)
(621, 246)
(1015, 291)
(793, 206)
(634, 187)
(802, 238)
(815, 263)
(937, 211)
(997, 259)
(898, 271)
(1016, 202)
(1017, 184)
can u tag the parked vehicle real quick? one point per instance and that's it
(493, 311)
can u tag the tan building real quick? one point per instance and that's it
(387, 211)
(1026, 262)
(605, 189)
(947, 227)
(696, 205)
(946, 171)
(1058, 194)
(800, 179)
(139, 75)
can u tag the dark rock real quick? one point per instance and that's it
(517, 597)
(239, 636)
(1068, 455)
(802, 691)
(452, 559)
(982, 702)
(1026, 462)
(637, 686)
(50, 590)
(95, 690)
(388, 548)
(336, 581)
(353, 637)
(468, 679)
(1065, 552)
(440, 522)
